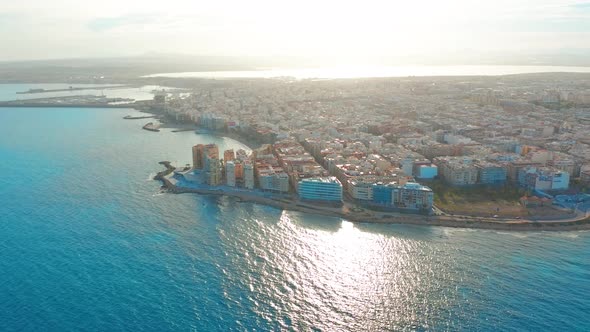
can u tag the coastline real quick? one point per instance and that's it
(581, 223)
(456, 221)
(168, 121)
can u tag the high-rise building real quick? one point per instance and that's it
(230, 173)
(320, 189)
(361, 190)
(198, 154)
(383, 194)
(228, 155)
(543, 178)
(213, 173)
(210, 151)
(458, 171)
(248, 175)
(413, 196)
(460, 175)
(407, 166)
(212, 165)
(274, 181)
(490, 173)
(239, 170)
(410, 196)
(212, 121)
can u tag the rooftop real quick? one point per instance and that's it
(326, 179)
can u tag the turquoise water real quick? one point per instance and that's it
(87, 243)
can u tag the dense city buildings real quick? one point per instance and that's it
(385, 140)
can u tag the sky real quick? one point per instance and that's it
(41, 29)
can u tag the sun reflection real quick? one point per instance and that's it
(327, 273)
(342, 269)
(346, 226)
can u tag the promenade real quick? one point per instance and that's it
(349, 212)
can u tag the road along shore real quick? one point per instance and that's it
(580, 223)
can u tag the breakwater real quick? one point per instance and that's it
(33, 91)
(129, 117)
(72, 105)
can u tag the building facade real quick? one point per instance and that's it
(275, 182)
(542, 178)
(230, 173)
(320, 189)
(410, 196)
(198, 152)
(491, 174)
(248, 175)
(212, 165)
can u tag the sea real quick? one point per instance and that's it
(88, 242)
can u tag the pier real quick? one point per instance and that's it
(129, 117)
(150, 126)
(72, 101)
(32, 91)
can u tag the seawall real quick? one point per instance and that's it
(406, 219)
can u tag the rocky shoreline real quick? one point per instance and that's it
(583, 223)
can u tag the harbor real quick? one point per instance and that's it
(72, 88)
(84, 101)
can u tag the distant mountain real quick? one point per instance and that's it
(125, 69)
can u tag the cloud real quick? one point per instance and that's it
(108, 23)
(65, 28)
(581, 6)
(7, 18)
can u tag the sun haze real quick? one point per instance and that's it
(63, 29)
